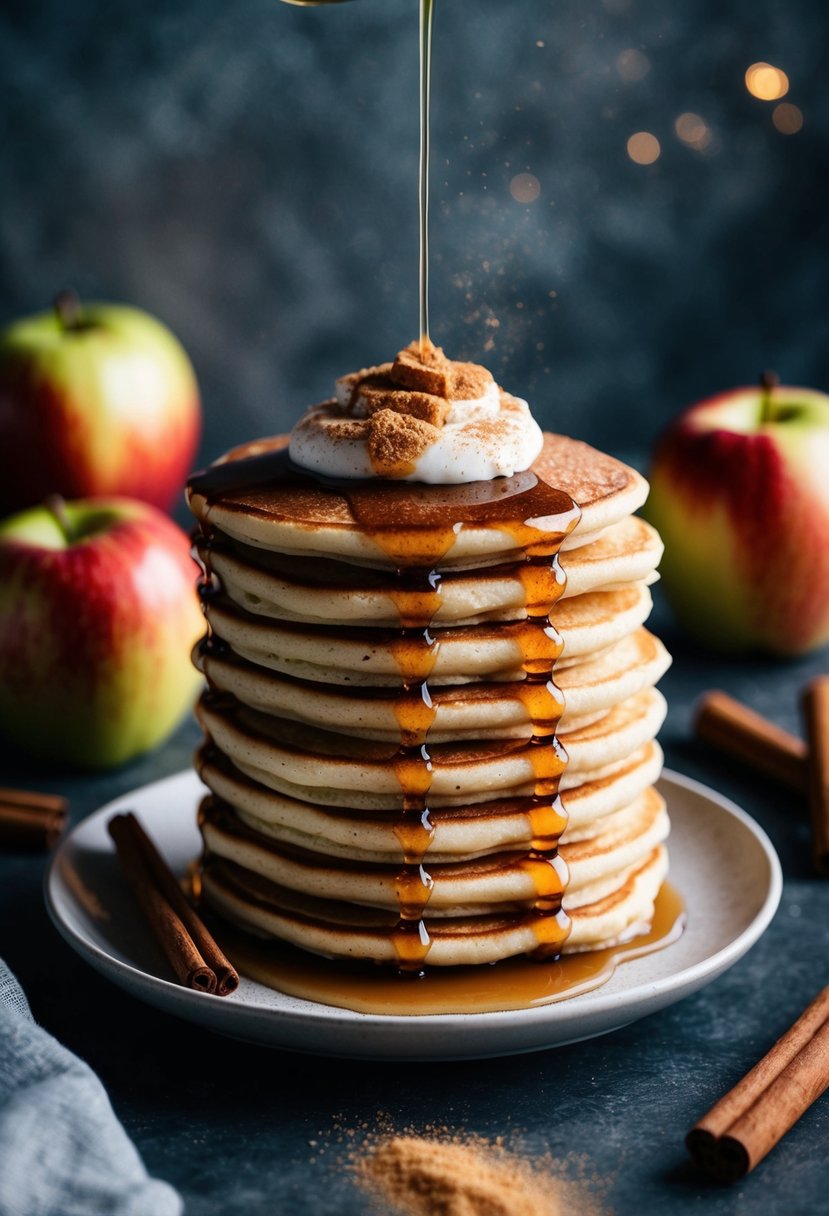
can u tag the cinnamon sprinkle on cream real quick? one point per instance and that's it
(394, 397)
(422, 385)
(423, 418)
(395, 441)
(425, 367)
(356, 428)
(424, 406)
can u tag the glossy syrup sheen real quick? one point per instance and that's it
(415, 526)
(394, 510)
(513, 984)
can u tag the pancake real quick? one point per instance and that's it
(587, 626)
(431, 710)
(466, 830)
(297, 515)
(481, 711)
(336, 929)
(588, 869)
(342, 770)
(319, 590)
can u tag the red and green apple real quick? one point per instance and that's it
(95, 399)
(740, 494)
(98, 616)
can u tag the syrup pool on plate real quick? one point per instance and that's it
(513, 984)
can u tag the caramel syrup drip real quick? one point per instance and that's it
(544, 582)
(415, 832)
(415, 652)
(415, 527)
(548, 819)
(208, 587)
(417, 598)
(201, 546)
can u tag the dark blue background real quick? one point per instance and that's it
(247, 172)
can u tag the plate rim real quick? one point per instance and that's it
(315, 1015)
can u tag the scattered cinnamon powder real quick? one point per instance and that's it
(439, 1174)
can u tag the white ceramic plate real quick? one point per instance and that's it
(721, 862)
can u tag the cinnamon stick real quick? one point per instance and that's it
(747, 736)
(816, 714)
(227, 978)
(745, 1125)
(30, 798)
(171, 934)
(29, 820)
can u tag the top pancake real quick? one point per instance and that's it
(267, 506)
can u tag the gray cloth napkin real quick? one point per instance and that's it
(62, 1150)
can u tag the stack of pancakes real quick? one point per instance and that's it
(393, 775)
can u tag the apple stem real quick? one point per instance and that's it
(56, 506)
(68, 309)
(768, 383)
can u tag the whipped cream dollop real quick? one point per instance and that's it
(421, 418)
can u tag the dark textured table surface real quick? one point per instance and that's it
(243, 1129)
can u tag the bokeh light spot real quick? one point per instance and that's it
(525, 188)
(788, 119)
(693, 130)
(643, 148)
(767, 82)
(632, 65)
